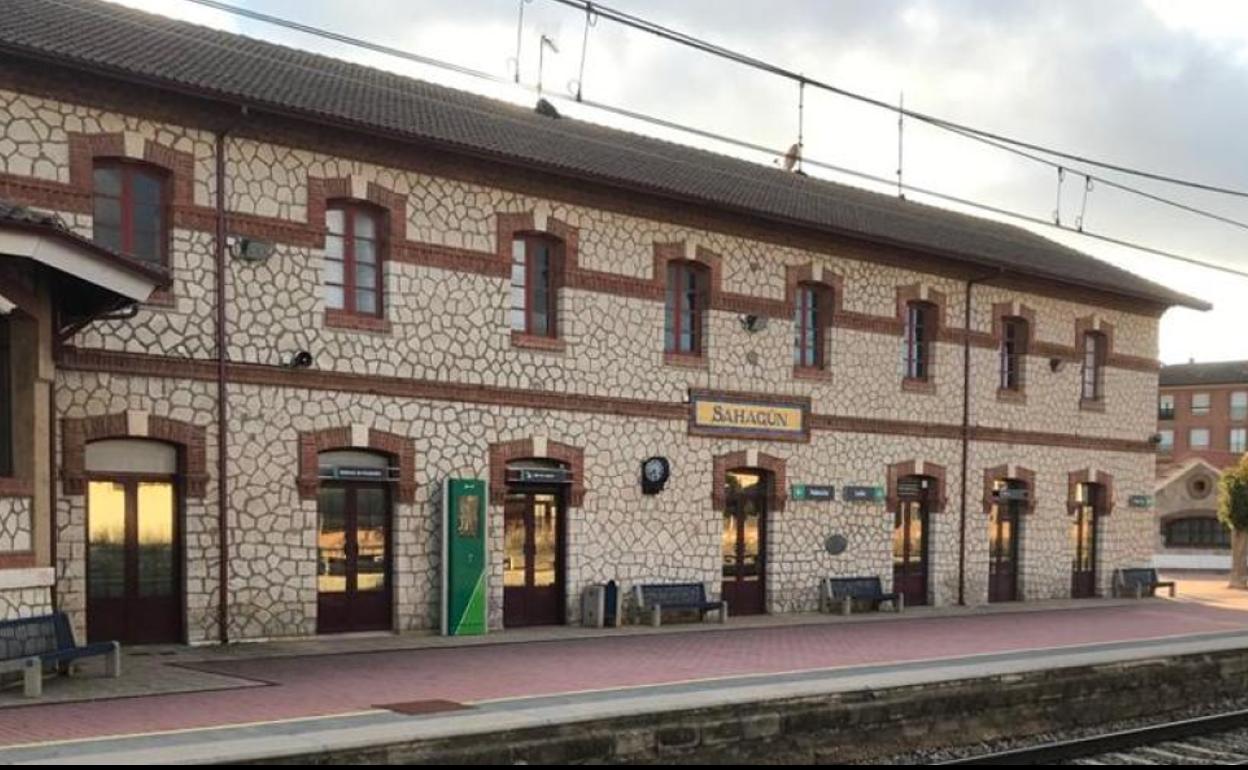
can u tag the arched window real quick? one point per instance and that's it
(1196, 532)
(534, 296)
(1093, 364)
(687, 291)
(812, 314)
(919, 335)
(1013, 352)
(354, 256)
(130, 209)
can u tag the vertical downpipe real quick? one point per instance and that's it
(223, 570)
(966, 428)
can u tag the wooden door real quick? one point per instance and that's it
(1003, 539)
(745, 543)
(1083, 549)
(353, 560)
(910, 551)
(134, 587)
(533, 558)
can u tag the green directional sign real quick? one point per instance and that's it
(465, 595)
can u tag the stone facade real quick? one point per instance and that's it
(16, 525)
(443, 371)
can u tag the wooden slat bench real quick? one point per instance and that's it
(844, 591)
(689, 597)
(1139, 582)
(30, 644)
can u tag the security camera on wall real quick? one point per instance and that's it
(300, 359)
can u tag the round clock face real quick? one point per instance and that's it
(654, 469)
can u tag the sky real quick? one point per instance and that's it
(1151, 84)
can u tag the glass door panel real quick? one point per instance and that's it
(371, 519)
(157, 561)
(106, 539)
(331, 540)
(515, 551)
(545, 540)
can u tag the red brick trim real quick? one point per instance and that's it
(1084, 476)
(138, 364)
(676, 252)
(17, 560)
(14, 487)
(341, 319)
(914, 293)
(77, 432)
(505, 452)
(812, 373)
(897, 471)
(686, 360)
(400, 449)
(323, 190)
(1025, 476)
(84, 149)
(777, 488)
(538, 342)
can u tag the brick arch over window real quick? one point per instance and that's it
(77, 432)
(688, 251)
(722, 464)
(1089, 476)
(524, 449)
(510, 224)
(84, 149)
(401, 448)
(795, 276)
(898, 471)
(1025, 476)
(322, 190)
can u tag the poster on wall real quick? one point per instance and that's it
(465, 594)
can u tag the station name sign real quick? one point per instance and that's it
(720, 414)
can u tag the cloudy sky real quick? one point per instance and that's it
(1155, 84)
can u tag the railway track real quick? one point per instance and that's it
(1221, 739)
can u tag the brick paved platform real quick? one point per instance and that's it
(272, 686)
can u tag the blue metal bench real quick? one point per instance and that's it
(1139, 582)
(845, 591)
(30, 644)
(687, 597)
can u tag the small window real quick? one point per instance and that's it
(1239, 440)
(1093, 363)
(1165, 407)
(811, 318)
(353, 259)
(685, 309)
(917, 344)
(130, 209)
(1013, 353)
(1196, 532)
(1166, 444)
(1198, 438)
(1200, 404)
(6, 401)
(533, 295)
(1239, 405)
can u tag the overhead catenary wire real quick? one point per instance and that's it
(671, 125)
(700, 44)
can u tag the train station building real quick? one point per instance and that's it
(665, 364)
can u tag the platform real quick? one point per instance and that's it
(271, 699)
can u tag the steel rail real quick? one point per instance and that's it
(1120, 740)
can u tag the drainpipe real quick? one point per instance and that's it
(966, 427)
(219, 266)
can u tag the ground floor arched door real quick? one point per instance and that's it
(354, 584)
(534, 550)
(1004, 534)
(745, 542)
(1083, 545)
(134, 551)
(910, 539)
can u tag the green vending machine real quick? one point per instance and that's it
(465, 595)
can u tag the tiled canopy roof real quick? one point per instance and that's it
(1212, 373)
(166, 53)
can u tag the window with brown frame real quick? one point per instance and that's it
(354, 257)
(919, 333)
(130, 209)
(812, 314)
(6, 402)
(534, 297)
(1092, 376)
(1196, 532)
(687, 285)
(1013, 352)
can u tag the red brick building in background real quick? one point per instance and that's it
(1202, 423)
